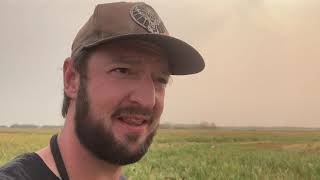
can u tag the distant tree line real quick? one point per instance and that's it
(30, 126)
(202, 125)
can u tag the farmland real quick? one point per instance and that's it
(204, 153)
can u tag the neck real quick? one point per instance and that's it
(79, 162)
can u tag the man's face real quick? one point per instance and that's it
(121, 99)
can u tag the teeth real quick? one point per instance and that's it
(132, 121)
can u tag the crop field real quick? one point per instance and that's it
(204, 153)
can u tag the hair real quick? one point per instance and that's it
(80, 61)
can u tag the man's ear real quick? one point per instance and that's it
(71, 79)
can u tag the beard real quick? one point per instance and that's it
(100, 141)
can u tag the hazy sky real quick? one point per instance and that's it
(262, 60)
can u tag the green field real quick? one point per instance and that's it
(204, 153)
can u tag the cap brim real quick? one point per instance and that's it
(183, 58)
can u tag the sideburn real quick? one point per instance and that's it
(82, 104)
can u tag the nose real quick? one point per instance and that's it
(144, 93)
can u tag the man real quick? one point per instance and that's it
(114, 88)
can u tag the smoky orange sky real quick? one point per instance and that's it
(262, 60)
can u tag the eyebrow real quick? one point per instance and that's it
(132, 60)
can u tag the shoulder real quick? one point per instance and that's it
(17, 168)
(28, 166)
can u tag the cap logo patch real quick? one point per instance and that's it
(145, 16)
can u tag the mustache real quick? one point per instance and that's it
(133, 109)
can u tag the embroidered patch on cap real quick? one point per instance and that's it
(146, 16)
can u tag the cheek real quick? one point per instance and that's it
(159, 104)
(104, 97)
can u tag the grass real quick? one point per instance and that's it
(204, 153)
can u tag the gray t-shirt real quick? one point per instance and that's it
(28, 166)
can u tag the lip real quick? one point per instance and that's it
(132, 123)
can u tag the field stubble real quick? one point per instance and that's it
(203, 153)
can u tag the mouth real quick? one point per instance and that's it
(132, 120)
(132, 123)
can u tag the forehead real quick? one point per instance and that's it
(135, 50)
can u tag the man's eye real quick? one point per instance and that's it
(121, 70)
